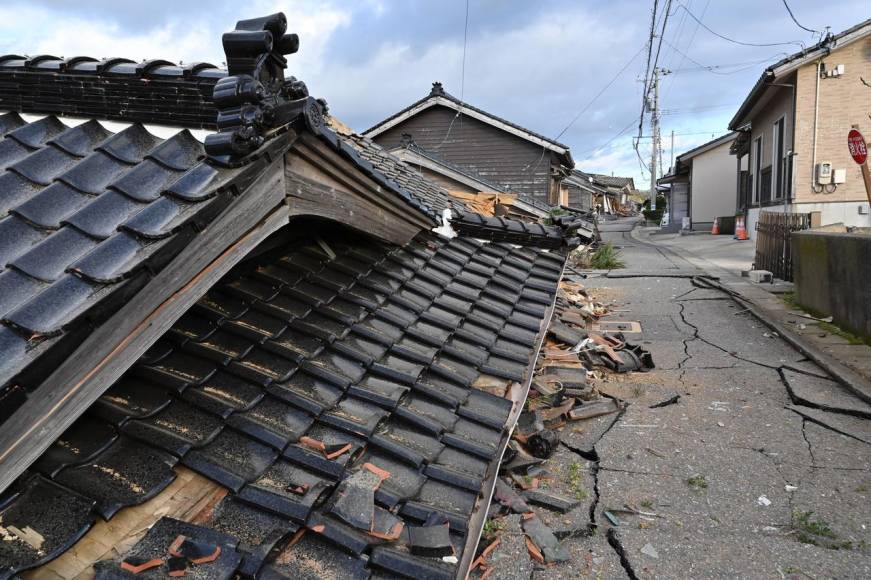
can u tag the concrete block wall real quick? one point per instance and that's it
(831, 273)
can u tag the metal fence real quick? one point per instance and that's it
(773, 249)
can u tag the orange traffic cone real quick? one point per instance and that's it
(740, 230)
(715, 231)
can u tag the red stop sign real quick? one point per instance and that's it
(858, 148)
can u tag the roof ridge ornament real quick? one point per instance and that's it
(437, 90)
(256, 97)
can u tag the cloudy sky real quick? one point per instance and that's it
(538, 64)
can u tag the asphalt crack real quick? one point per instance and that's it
(617, 546)
(810, 448)
(697, 336)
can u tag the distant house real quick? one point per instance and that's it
(579, 191)
(491, 149)
(793, 153)
(703, 182)
(464, 183)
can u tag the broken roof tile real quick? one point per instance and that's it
(258, 532)
(59, 516)
(287, 490)
(160, 537)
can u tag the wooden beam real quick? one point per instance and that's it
(311, 158)
(307, 198)
(110, 350)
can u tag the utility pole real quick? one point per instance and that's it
(653, 105)
(672, 150)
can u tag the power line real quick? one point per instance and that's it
(599, 94)
(609, 141)
(462, 81)
(688, 46)
(791, 15)
(465, 43)
(711, 68)
(739, 42)
(662, 34)
(647, 67)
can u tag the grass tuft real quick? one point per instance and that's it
(607, 257)
(698, 482)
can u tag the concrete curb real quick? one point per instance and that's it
(744, 294)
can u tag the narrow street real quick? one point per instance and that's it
(726, 442)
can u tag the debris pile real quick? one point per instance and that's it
(547, 464)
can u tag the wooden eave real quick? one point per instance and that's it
(322, 183)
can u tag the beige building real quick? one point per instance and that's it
(703, 184)
(792, 150)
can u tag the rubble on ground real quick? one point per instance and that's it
(544, 494)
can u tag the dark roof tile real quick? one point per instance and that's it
(272, 422)
(232, 459)
(37, 133)
(59, 515)
(180, 152)
(127, 473)
(130, 145)
(87, 437)
(52, 310)
(146, 181)
(81, 139)
(47, 260)
(93, 173)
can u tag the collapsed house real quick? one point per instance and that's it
(250, 356)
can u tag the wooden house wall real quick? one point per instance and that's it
(504, 159)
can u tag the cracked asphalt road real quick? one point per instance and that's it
(732, 442)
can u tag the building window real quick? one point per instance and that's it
(778, 160)
(757, 168)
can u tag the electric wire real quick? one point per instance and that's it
(462, 81)
(791, 15)
(739, 42)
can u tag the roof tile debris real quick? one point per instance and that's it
(336, 394)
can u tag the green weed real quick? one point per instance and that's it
(698, 482)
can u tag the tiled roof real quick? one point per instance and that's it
(499, 229)
(611, 180)
(86, 217)
(160, 92)
(438, 91)
(154, 91)
(434, 196)
(330, 390)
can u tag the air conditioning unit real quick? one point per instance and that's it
(824, 173)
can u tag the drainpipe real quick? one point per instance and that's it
(816, 122)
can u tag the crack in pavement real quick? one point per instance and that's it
(810, 448)
(614, 542)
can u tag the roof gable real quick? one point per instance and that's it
(439, 97)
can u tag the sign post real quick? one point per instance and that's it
(859, 153)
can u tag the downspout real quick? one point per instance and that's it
(816, 122)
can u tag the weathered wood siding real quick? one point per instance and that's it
(514, 163)
(578, 198)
